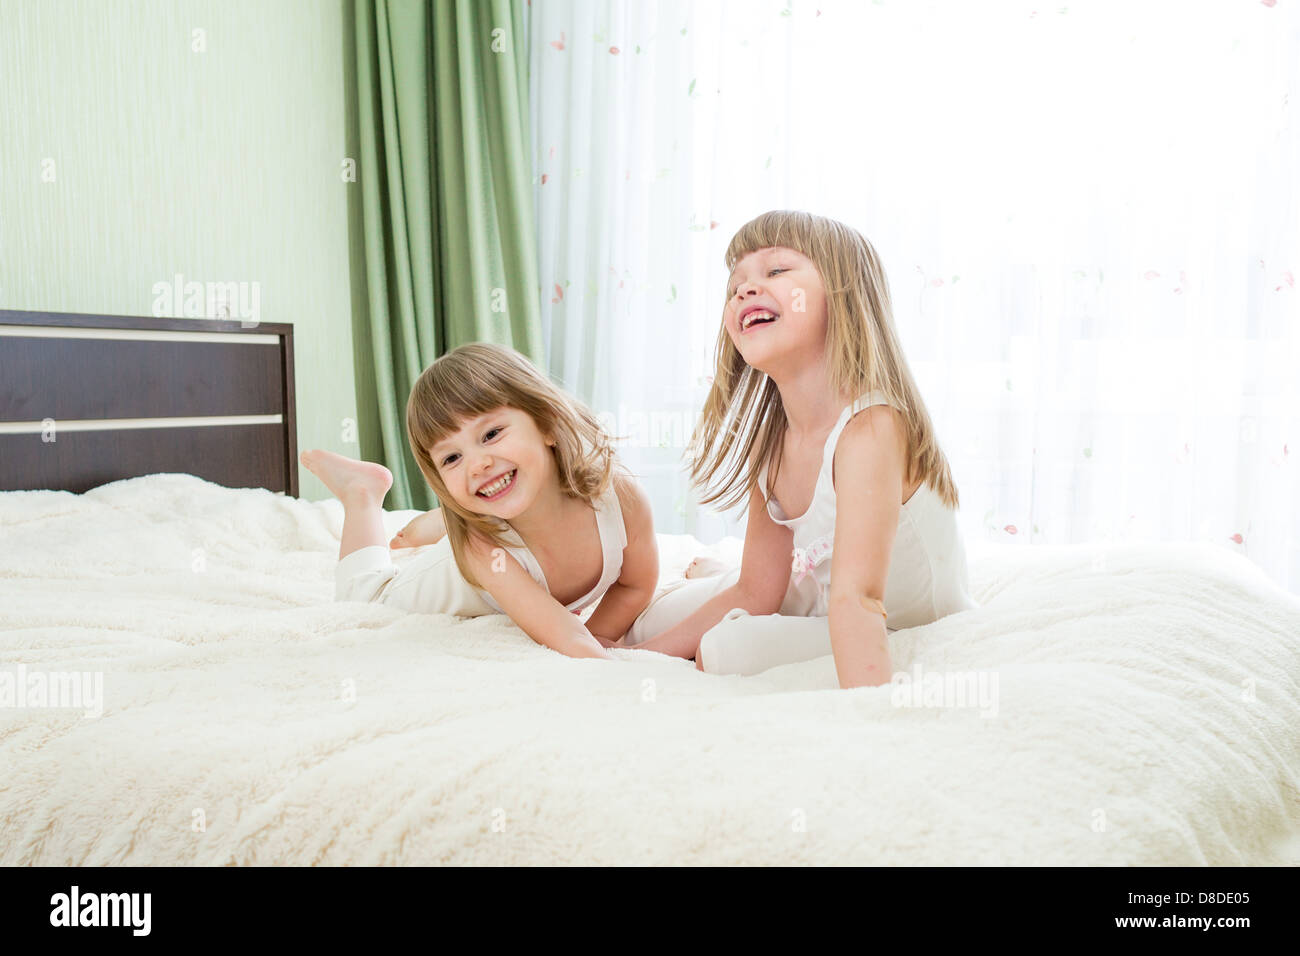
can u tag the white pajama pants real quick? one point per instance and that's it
(427, 582)
(741, 643)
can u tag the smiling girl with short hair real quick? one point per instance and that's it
(541, 521)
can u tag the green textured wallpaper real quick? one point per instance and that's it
(148, 139)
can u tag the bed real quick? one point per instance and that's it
(1146, 710)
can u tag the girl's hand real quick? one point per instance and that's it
(428, 528)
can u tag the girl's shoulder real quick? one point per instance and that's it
(873, 441)
(631, 495)
(479, 548)
(634, 502)
(880, 424)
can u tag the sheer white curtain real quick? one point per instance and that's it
(1089, 216)
(627, 273)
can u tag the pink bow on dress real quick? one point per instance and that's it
(805, 559)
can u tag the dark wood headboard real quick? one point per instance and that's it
(89, 399)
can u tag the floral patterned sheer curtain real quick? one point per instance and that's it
(1088, 212)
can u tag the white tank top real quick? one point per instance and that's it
(927, 576)
(613, 539)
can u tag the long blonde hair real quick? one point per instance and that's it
(475, 379)
(743, 423)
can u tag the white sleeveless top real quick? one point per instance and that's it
(927, 576)
(613, 539)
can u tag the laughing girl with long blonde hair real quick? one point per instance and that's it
(814, 418)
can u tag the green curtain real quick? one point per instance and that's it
(446, 207)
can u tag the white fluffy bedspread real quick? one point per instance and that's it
(1147, 712)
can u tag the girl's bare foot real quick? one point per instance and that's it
(428, 528)
(706, 567)
(348, 477)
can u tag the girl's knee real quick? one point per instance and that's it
(708, 646)
(712, 654)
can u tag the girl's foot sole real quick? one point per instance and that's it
(348, 477)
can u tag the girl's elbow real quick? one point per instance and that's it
(585, 644)
(847, 599)
(760, 600)
(578, 650)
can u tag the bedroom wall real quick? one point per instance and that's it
(133, 149)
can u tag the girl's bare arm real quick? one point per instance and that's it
(529, 605)
(872, 448)
(631, 593)
(764, 577)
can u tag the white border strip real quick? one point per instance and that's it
(146, 335)
(121, 424)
